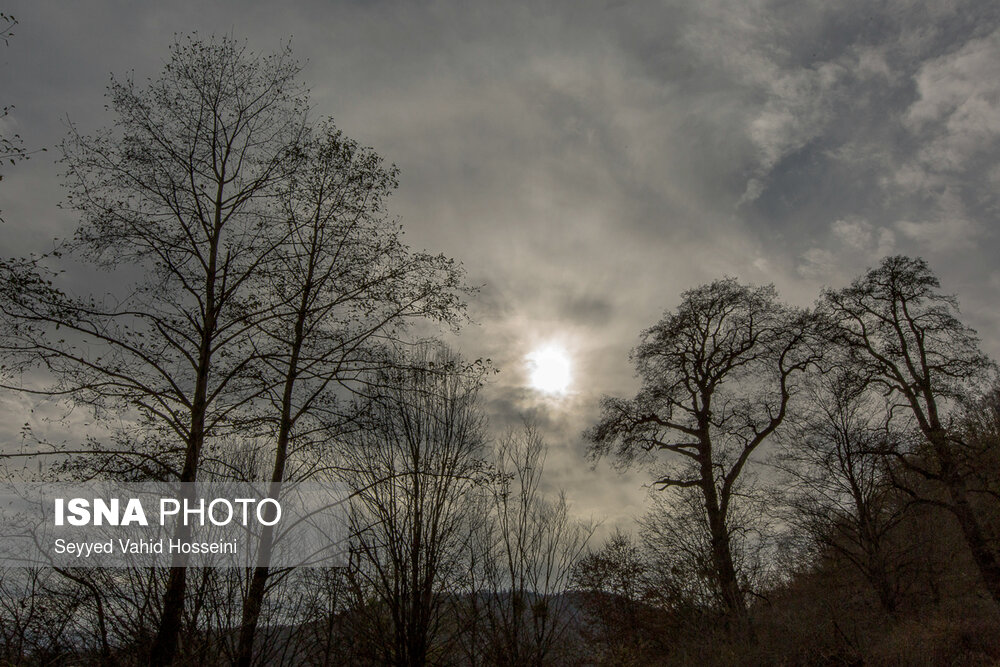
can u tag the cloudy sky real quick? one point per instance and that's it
(589, 161)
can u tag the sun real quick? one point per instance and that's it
(549, 367)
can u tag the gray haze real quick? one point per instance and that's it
(590, 161)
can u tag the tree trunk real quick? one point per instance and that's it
(982, 554)
(984, 557)
(251, 615)
(165, 645)
(258, 584)
(725, 570)
(722, 556)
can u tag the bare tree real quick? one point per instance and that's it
(527, 544)
(323, 634)
(905, 335)
(409, 469)
(838, 488)
(718, 375)
(342, 285)
(980, 458)
(36, 622)
(177, 201)
(620, 625)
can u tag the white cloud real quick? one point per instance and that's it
(858, 234)
(817, 264)
(854, 233)
(958, 109)
(871, 63)
(855, 244)
(940, 235)
(796, 110)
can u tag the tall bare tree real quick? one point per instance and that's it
(527, 545)
(177, 200)
(838, 488)
(342, 285)
(409, 470)
(718, 375)
(903, 333)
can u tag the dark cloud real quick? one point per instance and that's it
(586, 309)
(589, 161)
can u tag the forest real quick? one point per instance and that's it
(825, 480)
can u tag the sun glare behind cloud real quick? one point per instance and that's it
(549, 369)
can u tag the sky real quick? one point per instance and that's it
(588, 161)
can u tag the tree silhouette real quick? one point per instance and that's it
(341, 286)
(177, 202)
(838, 487)
(717, 374)
(409, 471)
(905, 335)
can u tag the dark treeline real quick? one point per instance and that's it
(826, 479)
